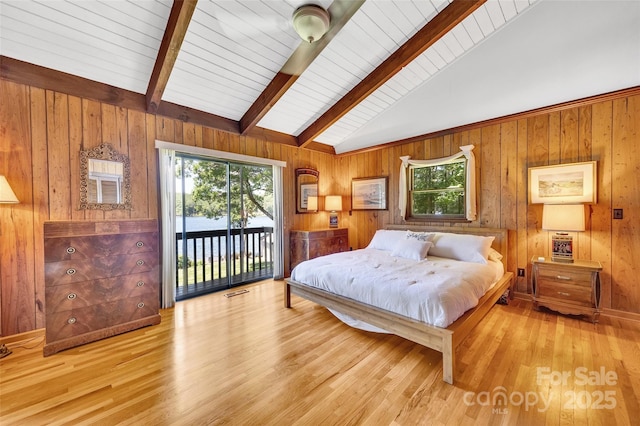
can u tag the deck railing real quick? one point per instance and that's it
(250, 259)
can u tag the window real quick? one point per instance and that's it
(439, 188)
(438, 191)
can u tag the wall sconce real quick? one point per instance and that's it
(563, 217)
(311, 22)
(7, 196)
(312, 203)
(333, 203)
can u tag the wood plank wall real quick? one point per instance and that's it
(42, 132)
(608, 132)
(41, 135)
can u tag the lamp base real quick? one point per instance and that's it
(333, 220)
(562, 248)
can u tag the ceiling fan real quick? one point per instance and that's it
(239, 20)
(311, 22)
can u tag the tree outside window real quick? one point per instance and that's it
(438, 191)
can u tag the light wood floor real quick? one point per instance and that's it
(247, 360)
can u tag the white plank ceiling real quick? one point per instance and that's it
(234, 48)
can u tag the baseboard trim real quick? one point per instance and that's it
(521, 296)
(613, 313)
(21, 337)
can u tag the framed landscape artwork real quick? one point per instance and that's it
(571, 183)
(369, 193)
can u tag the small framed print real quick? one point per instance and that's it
(571, 183)
(562, 248)
(369, 193)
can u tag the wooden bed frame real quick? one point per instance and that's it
(444, 340)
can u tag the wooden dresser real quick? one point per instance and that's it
(569, 288)
(101, 279)
(306, 245)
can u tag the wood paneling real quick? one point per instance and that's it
(42, 132)
(606, 131)
(625, 294)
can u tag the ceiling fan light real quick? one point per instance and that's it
(311, 22)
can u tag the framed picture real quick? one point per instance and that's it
(369, 193)
(570, 183)
(562, 248)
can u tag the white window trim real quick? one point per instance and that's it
(221, 155)
(466, 151)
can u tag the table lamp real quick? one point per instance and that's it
(563, 218)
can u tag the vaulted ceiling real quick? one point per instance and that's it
(385, 71)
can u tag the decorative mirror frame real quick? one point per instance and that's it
(104, 151)
(299, 199)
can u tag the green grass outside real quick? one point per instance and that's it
(209, 267)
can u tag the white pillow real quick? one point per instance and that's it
(411, 248)
(465, 247)
(386, 239)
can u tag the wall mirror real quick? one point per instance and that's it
(306, 186)
(104, 179)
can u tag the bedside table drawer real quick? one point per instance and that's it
(577, 294)
(563, 276)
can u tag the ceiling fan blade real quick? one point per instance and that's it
(241, 27)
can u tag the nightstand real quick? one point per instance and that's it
(305, 245)
(568, 288)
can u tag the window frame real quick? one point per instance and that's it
(461, 217)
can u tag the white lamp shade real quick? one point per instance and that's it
(333, 203)
(312, 203)
(6, 193)
(563, 217)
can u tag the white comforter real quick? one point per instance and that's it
(436, 290)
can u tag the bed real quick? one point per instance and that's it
(445, 337)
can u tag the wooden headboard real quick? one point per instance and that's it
(499, 242)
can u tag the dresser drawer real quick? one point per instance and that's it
(75, 322)
(66, 297)
(575, 294)
(71, 271)
(564, 276)
(86, 247)
(135, 308)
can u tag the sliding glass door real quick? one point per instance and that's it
(224, 224)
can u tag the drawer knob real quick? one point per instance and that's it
(139, 244)
(72, 320)
(563, 277)
(139, 283)
(141, 305)
(140, 262)
(71, 250)
(71, 271)
(71, 296)
(563, 293)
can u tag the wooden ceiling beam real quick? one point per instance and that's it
(179, 18)
(433, 30)
(341, 12)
